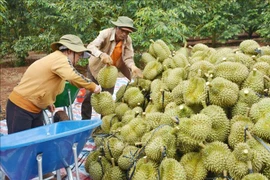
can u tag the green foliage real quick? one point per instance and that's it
(34, 24)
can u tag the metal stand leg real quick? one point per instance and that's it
(70, 105)
(69, 173)
(39, 161)
(74, 148)
(58, 174)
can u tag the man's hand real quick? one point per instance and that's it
(136, 72)
(98, 89)
(106, 59)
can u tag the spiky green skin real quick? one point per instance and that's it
(262, 128)
(223, 92)
(249, 46)
(193, 165)
(259, 148)
(120, 109)
(179, 60)
(219, 55)
(113, 148)
(233, 71)
(242, 152)
(266, 171)
(237, 134)
(237, 169)
(254, 176)
(143, 84)
(172, 77)
(93, 156)
(103, 103)
(144, 169)
(177, 93)
(107, 76)
(147, 57)
(152, 69)
(260, 109)
(204, 66)
(248, 96)
(133, 97)
(240, 108)
(215, 156)
(263, 67)
(199, 47)
(241, 58)
(220, 123)
(108, 121)
(98, 168)
(265, 50)
(254, 81)
(128, 157)
(161, 49)
(195, 91)
(114, 173)
(170, 169)
(161, 99)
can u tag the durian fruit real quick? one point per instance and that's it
(266, 171)
(260, 109)
(214, 156)
(264, 58)
(263, 67)
(220, 123)
(133, 97)
(107, 76)
(199, 47)
(192, 131)
(254, 81)
(179, 60)
(262, 128)
(243, 160)
(201, 55)
(253, 176)
(92, 156)
(237, 132)
(249, 46)
(120, 109)
(183, 51)
(240, 108)
(153, 119)
(161, 49)
(144, 168)
(241, 58)
(98, 168)
(204, 66)
(223, 92)
(195, 91)
(143, 84)
(233, 71)
(152, 69)
(161, 98)
(108, 121)
(265, 50)
(193, 165)
(171, 169)
(113, 148)
(147, 57)
(103, 103)
(172, 77)
(114, 173)
(129, 156)
(134, 130)
(121, 91)
(177, 92)
(220, 55)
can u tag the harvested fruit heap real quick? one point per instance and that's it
(198, 112)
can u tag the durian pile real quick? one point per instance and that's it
(197, 113)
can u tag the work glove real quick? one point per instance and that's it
(106, 59)
(136, 72)
(98, 89)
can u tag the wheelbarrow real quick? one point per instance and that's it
(34, 152)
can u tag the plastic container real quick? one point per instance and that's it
(18, 151)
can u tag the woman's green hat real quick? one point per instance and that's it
(72, 42)
(124, 21)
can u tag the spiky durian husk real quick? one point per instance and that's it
(215, 156)
(249, 46)
(254, 81)
(170, 169)
(144, 169)
(172, 77)
(133, 97)
(114, 173)
(120, 109)
(263, 67)
(108, 121)
(113, 148)
(223, 92)
(260, 109)
(93, 156)
(262, 128)
(254, 176)
(129, 156)
(193, 165)
(220, 123)
(107, 76)
(178, 91)
(204, 66)
(98, 168)
(152, 70)
(103, 103)
(219, 55)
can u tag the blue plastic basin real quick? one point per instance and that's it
(18, 151)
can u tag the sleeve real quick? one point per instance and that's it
(95, 45)
(64, 69)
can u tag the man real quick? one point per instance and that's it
(113, 46)
(43, 81)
